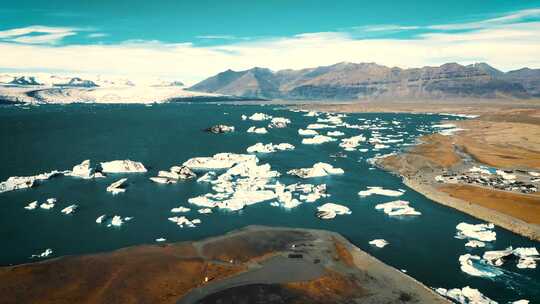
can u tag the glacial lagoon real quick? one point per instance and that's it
(39, 139)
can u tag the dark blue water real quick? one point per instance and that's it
(40, 139)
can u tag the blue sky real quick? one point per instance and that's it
(192, 39)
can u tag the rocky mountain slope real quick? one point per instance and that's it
(373, 81)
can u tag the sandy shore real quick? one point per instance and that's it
(254, 264)
(506, 135)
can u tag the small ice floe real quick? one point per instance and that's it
(49, 204)
(317, 126)
(160, 240)
(69, 209)
(47, 252)
(523, 301)
(23, 182)
(466, 295)
(220, 129)
(534, 174)
(480, 232)
(475, 244)
(351, 143)
(205, 211)
(180, 210)
(260, 117)
(123, 166)
(444, 126)
(380, 146)
(174, 174)
(218, 161)
(244, 117)
(480, 170)
(475, 266)
(527, 256)
(116, 221)
(335, 133)
(116, 187)
(279, 122)
(257, 130)
(397, 208)
(82, 170)
(378, 243)
(100, 218)
(505, 175)
(380, 191)
(269, 148)
(311, 114)
(31, 206)
(318, 170)
(317, 140)
(330, 210)
(363, 150)
(308, 132)
(184, 221)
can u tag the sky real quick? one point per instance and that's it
(192, 40)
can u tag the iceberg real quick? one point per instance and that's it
(82, 170)
(69, 209)
(218, 161)
(480, 232)
(23, 182)
(31, 206)
(49, 204)
(47, 252)
(378, 243)
(475, 244)
(269, 148)
(184, 221)
(308, 132)
(466, 295)
(317, 140)
(335, 133)
(116, 187)
(180, 210)
(123, 166)
(527, 256)
(100, 218)
(117, 221)
(174, 174)
(257, 130)
(330, 210)
(219, 129)
(472, 265)
(527, 262)
(279, 122)
(380, 191)
(318, 170)
(205, 211)
(317, 126)
(351, 143)
(260, 117)
(397, 208)
(159, 240)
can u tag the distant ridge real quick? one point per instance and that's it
(372, 81)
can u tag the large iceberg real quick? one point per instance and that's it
(184, 221)
(174, 174)
(279, 122)
(317, 140)
(466, 295)
(397, 208)
(123, 166)
(218, 161)
(380, 191)
(318, 170)
(480, 232)
(269, 148)
(260, 117)
(474, 266)
(307, 132)
(351, 143)
(23, 182)
(330, 210)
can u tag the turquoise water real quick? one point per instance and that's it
(40, 139)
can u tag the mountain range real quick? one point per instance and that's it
(373, 81)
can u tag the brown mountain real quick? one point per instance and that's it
(372, 81)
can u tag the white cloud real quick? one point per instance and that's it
(37, 34)
(506, 19)
(506, 46)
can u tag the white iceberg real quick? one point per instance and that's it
(475, 244)
(117, 221)
(31, 206)
(317, 140)
(100, 218)
(335, 133)
(174, 174)
(379, 243)
(279, 122)
(49, 204)
(330, 210)
(351, 143)
(184, 221)
(469, 265)
(116, 187)
(317, 126)
(466, 295)
(318, 170)
(123, 166)
(380, 191)
(205, 211)
(23, 182)
(180, 210)
(308, 132)
(257, 130)
(218, 161)
(480, 232)
(82, 170)
(269, 148)
(397, 208)
(159, 240)
(47, 252)
(260, 117)
(69, 209)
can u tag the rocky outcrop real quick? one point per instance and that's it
(373, 81)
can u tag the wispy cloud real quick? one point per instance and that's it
(97, 35)
(515, 17)
(37, 34)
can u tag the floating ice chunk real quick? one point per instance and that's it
(505, 175)
(525, 252)
(378, 243)
(521, 302)
(534, 174)
(269, 148)
(311, 114)
(257, 130)
(116, 187)
(380, 146)
(475, 244)
(180, 209)
(47, 252)
(218, 161)
(163, 180)
(526, 262)
(202, 201)
(479, 170)
(351, 143)
(317, 140)
(31, 206)
(330, 210)
(174, 174)
(363, 150)
(117, 221)
(49, 204)
(69, 209)
(244, 117)
(444, 126)
(100, 218)
(260, 117)
(123, 166)
(471, 264)
(480, 232)
(279, 122)
(317, 126)
(242, 198)
(159, 240)
(318, 170)
(397, 208)
(335, 133)
(219, 129)
(205, 211)
(82, 170)
(184, 221)
(380, 191)
(308, 132)
(23, 182)
(496, 257)
(466, 295)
